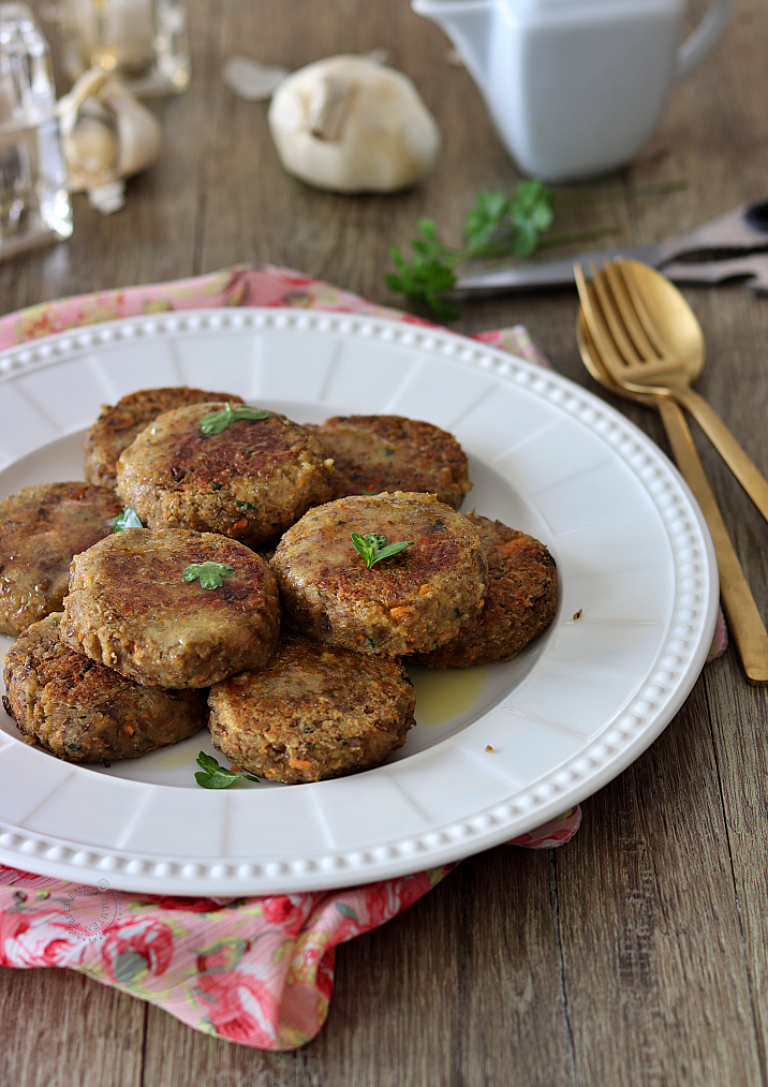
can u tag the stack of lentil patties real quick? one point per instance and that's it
(331, 695)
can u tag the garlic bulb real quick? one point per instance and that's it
(106, 136)
(349, 124)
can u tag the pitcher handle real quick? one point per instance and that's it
(703, 38)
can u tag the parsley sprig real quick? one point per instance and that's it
(213, 776)
(220, 420)
(129, 518)
(374, 547)
(210, 574)
(498, 225)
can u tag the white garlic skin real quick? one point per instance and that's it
(106, 134)
(95, 145)
(349, 125)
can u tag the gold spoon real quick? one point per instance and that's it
(746, 626)
(650, 343)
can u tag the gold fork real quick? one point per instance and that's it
(747, 628)
(650, 342)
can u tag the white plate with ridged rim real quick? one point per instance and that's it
(498, 750)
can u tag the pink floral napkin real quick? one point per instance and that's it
(256, 970)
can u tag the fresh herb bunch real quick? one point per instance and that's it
(220, 420)
(374, 547)
(129, 518)
(210, 574)
(214, 776)
(498, 225)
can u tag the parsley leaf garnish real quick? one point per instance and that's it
(498, 225)
(374, 547)
(429, 273)
(209, 574)
(220, 420)
(129, 518)
(213, 776)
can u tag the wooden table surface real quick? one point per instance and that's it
(637, 954)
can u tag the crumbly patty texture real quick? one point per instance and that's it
(83, 712)
(129, 609)
(374, 453)
(117, 426)
(41, 528)
(314, 712)
(521, 601)
(249, 482)
(411, 602)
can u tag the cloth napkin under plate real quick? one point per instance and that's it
(254, 970)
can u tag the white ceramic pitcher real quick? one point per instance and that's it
(574, 87)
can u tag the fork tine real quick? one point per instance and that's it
(591, 356)
(595, 365)
(622, 336)
(633, 322)
(595, 323)
(650, 326)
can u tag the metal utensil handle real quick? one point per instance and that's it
(746, 626)
(753, 267)
(753, 482)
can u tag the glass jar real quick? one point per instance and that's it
(34, 202)
(143, 41)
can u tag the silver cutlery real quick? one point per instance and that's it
(742, 231)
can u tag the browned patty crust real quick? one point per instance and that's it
(411, 602)
(313, 712)
(250, 482)
(117, 426)
(374, 453)
(84, 712)
(129, 609)
(521, 601)
(41, 528)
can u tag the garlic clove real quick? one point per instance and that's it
(94, 145)
(108, 198)
(138, 131)
(349, 124)
(106, 135)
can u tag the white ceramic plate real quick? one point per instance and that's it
(569, 713)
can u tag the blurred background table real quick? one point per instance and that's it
(639, 953)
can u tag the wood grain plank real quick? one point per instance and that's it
(656, 981)
(473, 996)
(58, 1028)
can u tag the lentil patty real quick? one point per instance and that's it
(313, 712)
(521, 601)
(117, 426)
(250, 482)
(84, 712)
(129, 609)
(41, 528)
(374, 453)
(411, 602)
